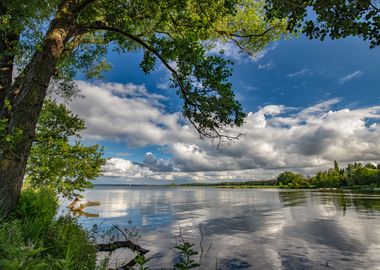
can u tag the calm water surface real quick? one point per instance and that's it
(248, 228)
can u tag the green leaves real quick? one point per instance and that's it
(333, 18)
(170, 31)
(55, 160)
(185, 254)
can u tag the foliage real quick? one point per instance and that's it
(15, 253)
(36, 210)
(179, 33)
(141, 262)
(336, 18)
(66, 239)
(32, 239)
(364, 176)
(329, 178)
(51, 41)
(185, 254)
(57, 163)
(353, 175)
(292, 180)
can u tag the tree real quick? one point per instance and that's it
(50, 40)
(56, 163)
(336, 18)
(330, 178)
(292, 180)
(364, 176)
(336, 166)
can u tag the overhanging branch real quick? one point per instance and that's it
(184, 91)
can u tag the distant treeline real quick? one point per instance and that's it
(354, 175)
(272, 182)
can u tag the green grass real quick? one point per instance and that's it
(32, 239)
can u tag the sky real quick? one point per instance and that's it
(308, 103)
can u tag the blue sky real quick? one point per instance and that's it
(307, 99)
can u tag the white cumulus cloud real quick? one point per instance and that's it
(275, 137)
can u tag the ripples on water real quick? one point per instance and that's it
(248, 228)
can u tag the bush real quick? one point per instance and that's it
(364, 176)
(292, 180)
(36, 210)
(31, 239)
(15, 253)
(67, 239)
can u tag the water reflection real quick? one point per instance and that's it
(249, 228)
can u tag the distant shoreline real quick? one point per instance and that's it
(359, 188)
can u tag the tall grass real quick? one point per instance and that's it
(32, 239)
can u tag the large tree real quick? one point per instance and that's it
(48, 41)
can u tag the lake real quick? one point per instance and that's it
(247, 228)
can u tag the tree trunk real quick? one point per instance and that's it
(8, 44)
(27, 94)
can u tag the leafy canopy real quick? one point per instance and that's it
(178, 33)
(58, 162)
(334, 18)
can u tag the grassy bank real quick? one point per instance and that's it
(31, 238)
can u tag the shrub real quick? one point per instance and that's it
(32, 239)
(67, 239)
(36, 210)
(15, 254)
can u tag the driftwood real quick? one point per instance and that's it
(108, 247)
(78, 210)
(75, 207)
(121, 244)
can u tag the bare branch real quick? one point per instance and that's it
(120, 230)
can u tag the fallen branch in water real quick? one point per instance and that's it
(110, 247)
(74, 205)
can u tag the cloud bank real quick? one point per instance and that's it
(275, 137)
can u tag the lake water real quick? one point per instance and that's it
(248, 228)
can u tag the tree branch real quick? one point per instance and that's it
(121, 244)
(152, 50)
(248, 35)
(177, 77)
(374, 7)
(83, 5)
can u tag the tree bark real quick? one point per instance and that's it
(6, 64)
(8, 43)
(26, 95)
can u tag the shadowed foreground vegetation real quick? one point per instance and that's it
(31, 238)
